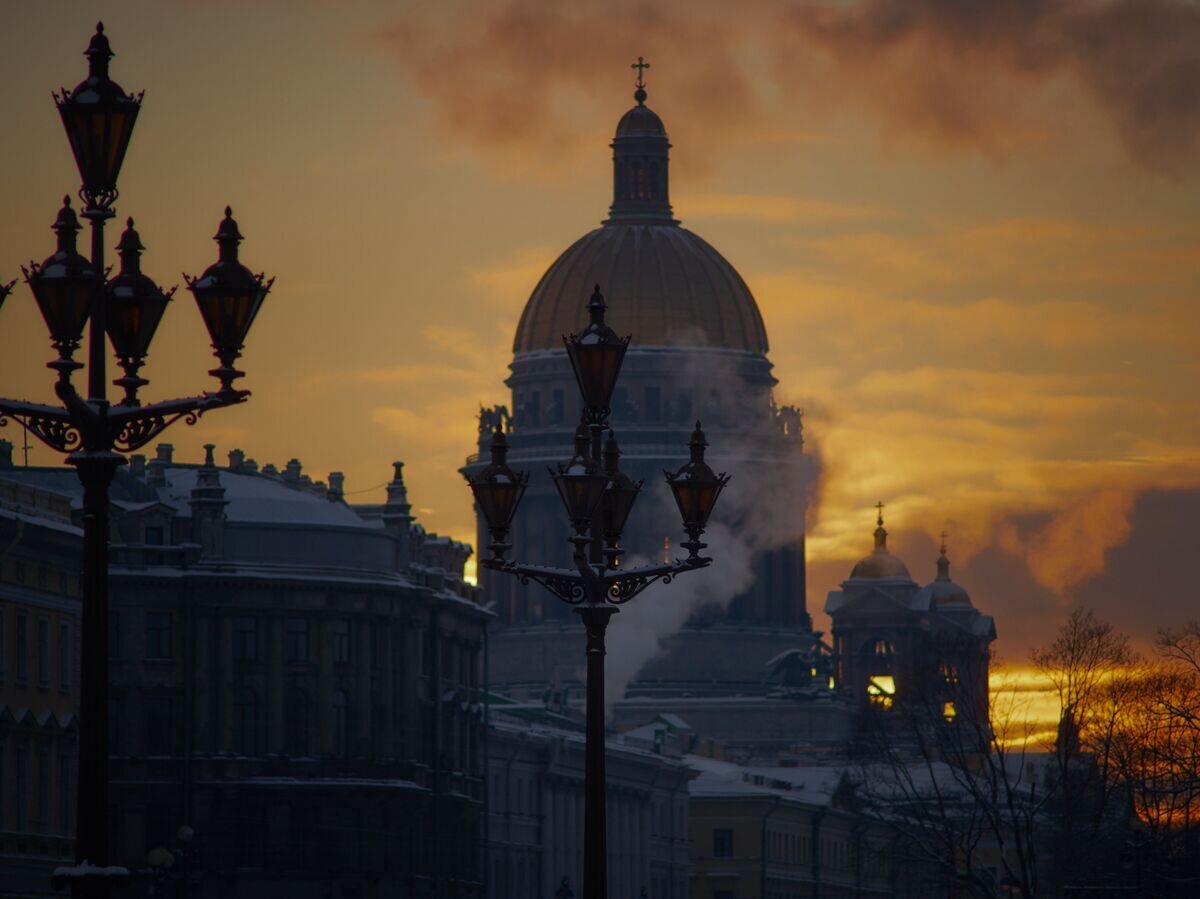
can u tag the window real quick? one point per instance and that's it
(154, 537)
(158, 635)
(341, 640)
(295, 736)
(245, 638)
(722, 842)
(64, 656)
(43, 790)
(341, 723)
(374, 638)
(3, 643)
(245, 720)
(22, 647)
(43, 652)
(64, 795)
(114, 635)
(653, 404)
(159, 725)
(295, 639)
(22, 786)
(556, 411)
(114, 725)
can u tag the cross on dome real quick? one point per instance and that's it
(879, 506)
(640, 94)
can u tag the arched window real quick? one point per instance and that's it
(295, 736)
(652, 185)
(341, 724)
(245, 722)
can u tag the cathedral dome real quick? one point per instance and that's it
(880, 563)
(664, 284)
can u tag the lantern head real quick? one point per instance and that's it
(596, 356)
(696, 488)
(99, 118)
(64, 285)
(135, 307)
(229, 297)
(619, 496)
(498, 491)
(580, 483)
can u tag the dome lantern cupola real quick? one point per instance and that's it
(640, 157)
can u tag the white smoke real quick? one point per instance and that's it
(763, 508)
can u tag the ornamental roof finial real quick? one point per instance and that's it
(640, 94)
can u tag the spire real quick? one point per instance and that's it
(880, 533)
(640, 158)
(943, 564)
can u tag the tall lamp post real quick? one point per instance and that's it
(598, 498)
(73, 293)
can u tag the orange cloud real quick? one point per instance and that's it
(984, 77)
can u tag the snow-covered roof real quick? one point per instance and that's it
(810, 785)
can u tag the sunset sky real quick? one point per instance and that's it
(973, 230)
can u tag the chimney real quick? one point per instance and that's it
(156, 473)
(165, 453)
(208, 508)
(291, 473)
(250, 467)
(6, 449)
(237, 460)
(137, 465)
(337, 483)
(270, 470)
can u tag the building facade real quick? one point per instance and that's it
(536, 797)
(294, 680)
(39, 682)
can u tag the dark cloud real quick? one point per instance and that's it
(982, 75)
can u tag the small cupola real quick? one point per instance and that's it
(640, 159)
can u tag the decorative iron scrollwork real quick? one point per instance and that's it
(137, 432)
(569, 588)
(56, 433)
(625, 589)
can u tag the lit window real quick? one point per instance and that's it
(948, 711)
(881, 689)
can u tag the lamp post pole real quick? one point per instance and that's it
(74, 293)
(598, 498)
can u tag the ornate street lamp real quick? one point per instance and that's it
(598, 498)
(73, 295)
